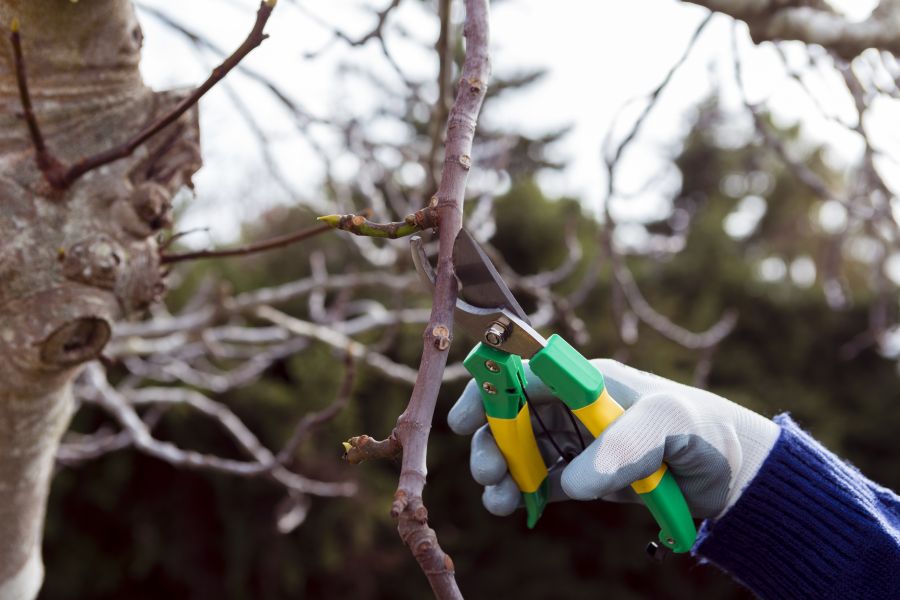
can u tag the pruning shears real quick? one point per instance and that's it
(487, 309)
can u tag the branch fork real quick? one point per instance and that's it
(61, 176)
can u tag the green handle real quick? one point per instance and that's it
(667, 504)
(574, 380)
(501, 381)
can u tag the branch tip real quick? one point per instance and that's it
(363, 447)
(359, 224)
(332, 220)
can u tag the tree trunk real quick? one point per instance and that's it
(71, 260)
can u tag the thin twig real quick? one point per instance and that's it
(612, 158)
(180, 234)
(376, 32)
(313, 420)
(278, 242)
(292, 106)
(49, 165)
(425, 218)
(123, 411)
(624, 286)
(254, 39)
(335, 339)
(444, 47)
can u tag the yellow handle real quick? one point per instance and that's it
(516, 441)
(597, 416)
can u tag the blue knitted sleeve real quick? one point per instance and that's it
(808, 526)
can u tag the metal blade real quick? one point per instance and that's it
(482, 285)
(521, 339)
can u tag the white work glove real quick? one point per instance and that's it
(712, 446)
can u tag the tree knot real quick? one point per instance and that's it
(95, 262)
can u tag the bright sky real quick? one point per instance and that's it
(599, 55)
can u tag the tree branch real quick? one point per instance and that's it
(313, 420)
(278, 242)
(425, 218)
(62, 177)
(376, 32)
(46, 162)
(624, 286)
(613, 156)
(414, 425)
(123, 411)
(339, 341)
(814, 22)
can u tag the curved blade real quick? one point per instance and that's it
(521, 340)
(420, 260)
(482, 285)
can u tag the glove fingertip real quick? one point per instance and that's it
(502, 499)
(486, 462)
(575, 485)
(467, 415)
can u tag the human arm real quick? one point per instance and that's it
(748, 476)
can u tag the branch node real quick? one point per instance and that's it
(441, 337)
(420, 514)
(399, 504)
(363, 447)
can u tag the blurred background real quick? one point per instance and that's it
(654, 186)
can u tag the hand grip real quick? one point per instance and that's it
(575, 381)
(501, 381)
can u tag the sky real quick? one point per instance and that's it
(598, 57)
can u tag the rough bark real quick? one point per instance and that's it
(72, 260)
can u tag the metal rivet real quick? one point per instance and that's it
(492, 366)
(490, 389)
(496, 334)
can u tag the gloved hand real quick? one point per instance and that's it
(713, 447)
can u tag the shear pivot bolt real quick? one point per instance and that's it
(496, 334)
(492, 366)
(490, 389)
